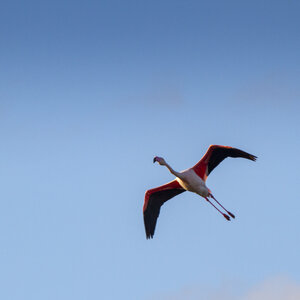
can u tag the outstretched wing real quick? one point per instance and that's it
(216, 154)
(154, 199)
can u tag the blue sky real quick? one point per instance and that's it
(90, 91)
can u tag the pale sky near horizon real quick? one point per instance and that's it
(91, 91)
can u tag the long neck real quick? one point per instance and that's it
(177, 174)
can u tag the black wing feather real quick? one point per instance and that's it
(220, 153)
(156, 200)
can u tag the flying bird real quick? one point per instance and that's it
(192, 179)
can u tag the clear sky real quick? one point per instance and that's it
(91, 91)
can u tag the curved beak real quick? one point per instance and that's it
(154, 159)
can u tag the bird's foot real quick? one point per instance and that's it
(226, 217)
(231, 215)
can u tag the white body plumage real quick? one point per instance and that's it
(190, 181)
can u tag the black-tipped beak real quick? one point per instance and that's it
(154, 159)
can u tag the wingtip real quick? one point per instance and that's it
(253, 157)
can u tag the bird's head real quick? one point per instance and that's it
(160, 160)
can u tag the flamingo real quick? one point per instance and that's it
(192, 179)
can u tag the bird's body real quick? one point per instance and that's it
(192, 179)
